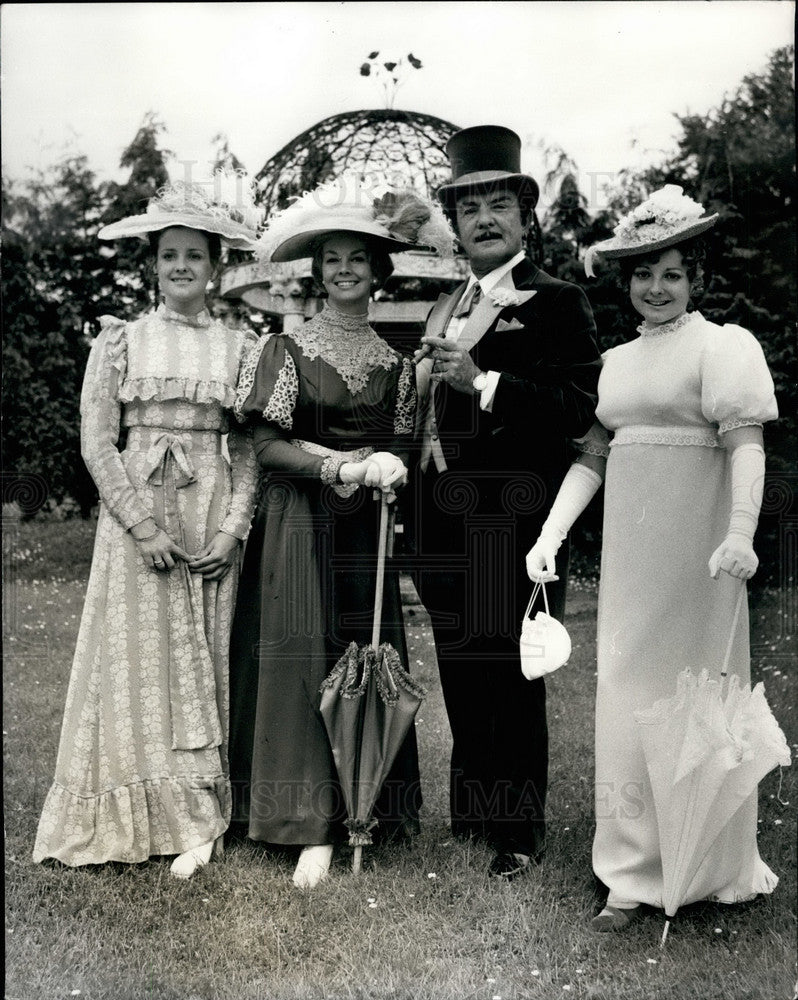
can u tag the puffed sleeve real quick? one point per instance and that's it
(243, 467)
(266, 396)
(100, 412)
(736, 385)
(268, 384)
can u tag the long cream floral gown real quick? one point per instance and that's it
(142, 763)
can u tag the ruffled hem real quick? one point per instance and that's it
(133, 822)
(186, 389)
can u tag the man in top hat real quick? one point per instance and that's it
(508, 375)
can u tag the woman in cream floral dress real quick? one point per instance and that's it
(142, 766)
(685, 403)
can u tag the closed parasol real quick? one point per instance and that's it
(706, 751)
(368, 705)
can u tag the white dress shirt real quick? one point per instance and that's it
(455, 327)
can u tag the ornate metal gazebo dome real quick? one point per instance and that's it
(402, 148)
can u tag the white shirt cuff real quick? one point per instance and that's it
(486, 397)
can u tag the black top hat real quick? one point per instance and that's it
(483, 157)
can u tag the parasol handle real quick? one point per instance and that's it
(381, 549)
(665, 934)
(737, 609)
(357, 861)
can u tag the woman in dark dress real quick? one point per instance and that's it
(332, 409)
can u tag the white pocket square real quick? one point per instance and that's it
(503, 326)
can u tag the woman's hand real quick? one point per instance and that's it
(392, 469)
(216, 560)
(157, 549)
(382, 470)
(735, 555)
(540, 560)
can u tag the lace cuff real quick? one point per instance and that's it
(333, 460)
(732, 425)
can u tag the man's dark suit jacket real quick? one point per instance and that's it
(475, 522)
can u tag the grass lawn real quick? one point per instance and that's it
(422, 921)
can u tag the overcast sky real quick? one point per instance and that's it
(602, 80)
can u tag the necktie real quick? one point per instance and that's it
(470, 301)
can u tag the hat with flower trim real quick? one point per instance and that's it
(223, 205)
(396, 220)
(665, 218)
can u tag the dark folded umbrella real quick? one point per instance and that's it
(368, 704)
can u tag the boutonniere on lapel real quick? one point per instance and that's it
(504, 297)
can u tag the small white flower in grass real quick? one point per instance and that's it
(371, 899)
(651, 961)
(567, 987)
(718, 930)
(491, 980)
(580, 971)
(777, 822)
(536, 972)
(74, 993)
(431, 875)
(372, 906)
(412, 895)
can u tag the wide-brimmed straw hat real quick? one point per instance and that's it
(223, 206)
(665, 218)
(485, 157)
(395, 220)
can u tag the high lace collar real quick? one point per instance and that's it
(347, 343)
(202, 319)
(649, 330)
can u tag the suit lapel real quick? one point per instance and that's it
(436, 327)
(487, 311)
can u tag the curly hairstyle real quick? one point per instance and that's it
(214, 242)
(694, 253)
(379, 261)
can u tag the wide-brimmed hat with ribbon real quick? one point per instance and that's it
(223, 205)
(667, 217)
(485, 157)
(394, 219)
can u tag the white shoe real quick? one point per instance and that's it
(187, 863)
(314, 863)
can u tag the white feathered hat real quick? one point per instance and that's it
(395, 219)
(223, 205)
(665, 218)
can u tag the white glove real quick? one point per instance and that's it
(578, 489)
(735, 555)
(381, 470)
(393, 470)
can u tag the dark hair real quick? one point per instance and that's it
(214, 242)
(379, 260)
(694, 253)
(523, 191)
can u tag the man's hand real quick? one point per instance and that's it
(452, 364)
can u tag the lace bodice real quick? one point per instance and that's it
(165, 372)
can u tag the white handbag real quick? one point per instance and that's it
(545, 643)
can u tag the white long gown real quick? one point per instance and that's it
(668, 397)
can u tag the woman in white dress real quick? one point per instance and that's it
(142, 766)
(684, 405)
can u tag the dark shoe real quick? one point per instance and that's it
(613, 918)
(506, 865)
